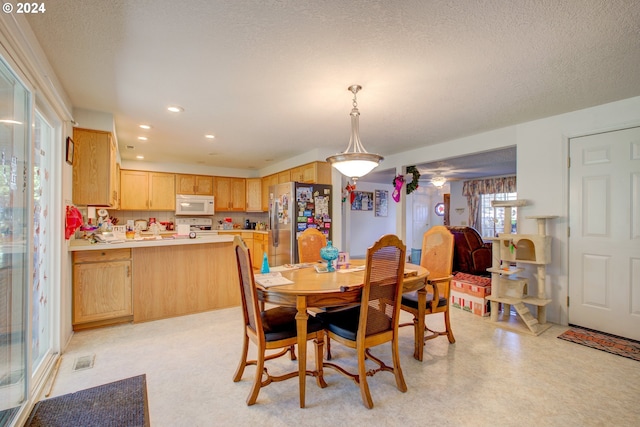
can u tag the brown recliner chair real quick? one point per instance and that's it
(471, 254)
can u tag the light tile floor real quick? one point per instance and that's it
(489, 377)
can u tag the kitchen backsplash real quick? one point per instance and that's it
(161, 216)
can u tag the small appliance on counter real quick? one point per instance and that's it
(141, 224)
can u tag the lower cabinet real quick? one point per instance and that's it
(259, 248)
(102, 292)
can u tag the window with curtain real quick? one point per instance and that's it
(492, 219)
(493, 189)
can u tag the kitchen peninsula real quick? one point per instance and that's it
(143, 280)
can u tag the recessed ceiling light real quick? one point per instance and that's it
(142, 138)
(209, 136)
(140, 157)
(175, 109)
(145, 127)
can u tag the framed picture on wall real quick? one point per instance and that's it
(70, 150)
(362, 201)
(381, 202)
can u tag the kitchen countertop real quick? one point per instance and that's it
(243, 230)
(85, 245)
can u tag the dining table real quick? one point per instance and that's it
(306, 289)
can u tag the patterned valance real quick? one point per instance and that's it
(505, 184)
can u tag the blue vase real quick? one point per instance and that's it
(329, 253)
(265, 264)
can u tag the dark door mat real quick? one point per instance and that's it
(602, 341)
(120, 403)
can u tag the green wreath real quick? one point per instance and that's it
(411, 186)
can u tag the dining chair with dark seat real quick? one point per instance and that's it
(310, 241)
(375, 320)
(271, 329)
(437, 257)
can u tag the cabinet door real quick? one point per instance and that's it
(222, 194)
(230, 194)
(204, 185)
(134, 190)
(185, 184)
(238, 194)
(162, 191)
(259, 248)
(93, 166)
(254, 194)
(284, 176)
(296, 174)
(116, 205)
(101, 291)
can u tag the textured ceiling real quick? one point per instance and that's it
(270, 78)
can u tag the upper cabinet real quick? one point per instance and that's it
(94, 168)
(141, 190)
(267, 182)
(194, 184)
(312, 173)
(284, 176)
(230, 194)
(254, 195)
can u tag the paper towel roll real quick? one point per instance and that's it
(91, 212)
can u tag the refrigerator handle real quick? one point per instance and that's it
(275, 235)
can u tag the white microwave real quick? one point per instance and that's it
(194, 205)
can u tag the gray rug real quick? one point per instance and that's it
(118, 404)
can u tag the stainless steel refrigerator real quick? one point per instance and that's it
(294, 207)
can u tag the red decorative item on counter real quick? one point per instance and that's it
(73, 221)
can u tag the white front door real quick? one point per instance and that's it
(604, 242)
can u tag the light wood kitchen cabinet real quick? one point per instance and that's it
(267, 182)
(284, 176)
(230, 194)
(312, 173)
(94, 168)
(141, 190)
(201, 185)
(102, 292)
(260, 241)
(254, 195)
(183, 279)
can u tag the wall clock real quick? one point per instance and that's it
(439, 209)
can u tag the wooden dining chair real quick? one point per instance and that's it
(271, 329)
(375, 320)
(437, 257)
(310, 241)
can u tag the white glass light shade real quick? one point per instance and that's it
(354, 165)
(438, 181)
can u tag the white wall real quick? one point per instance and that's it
(364, 227)
(458, 201)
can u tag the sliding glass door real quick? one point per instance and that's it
(15, 239)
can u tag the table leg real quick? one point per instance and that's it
(419, 326)
(301, 325)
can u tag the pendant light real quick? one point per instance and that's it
(358, 162)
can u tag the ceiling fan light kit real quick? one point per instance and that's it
(438, 181)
